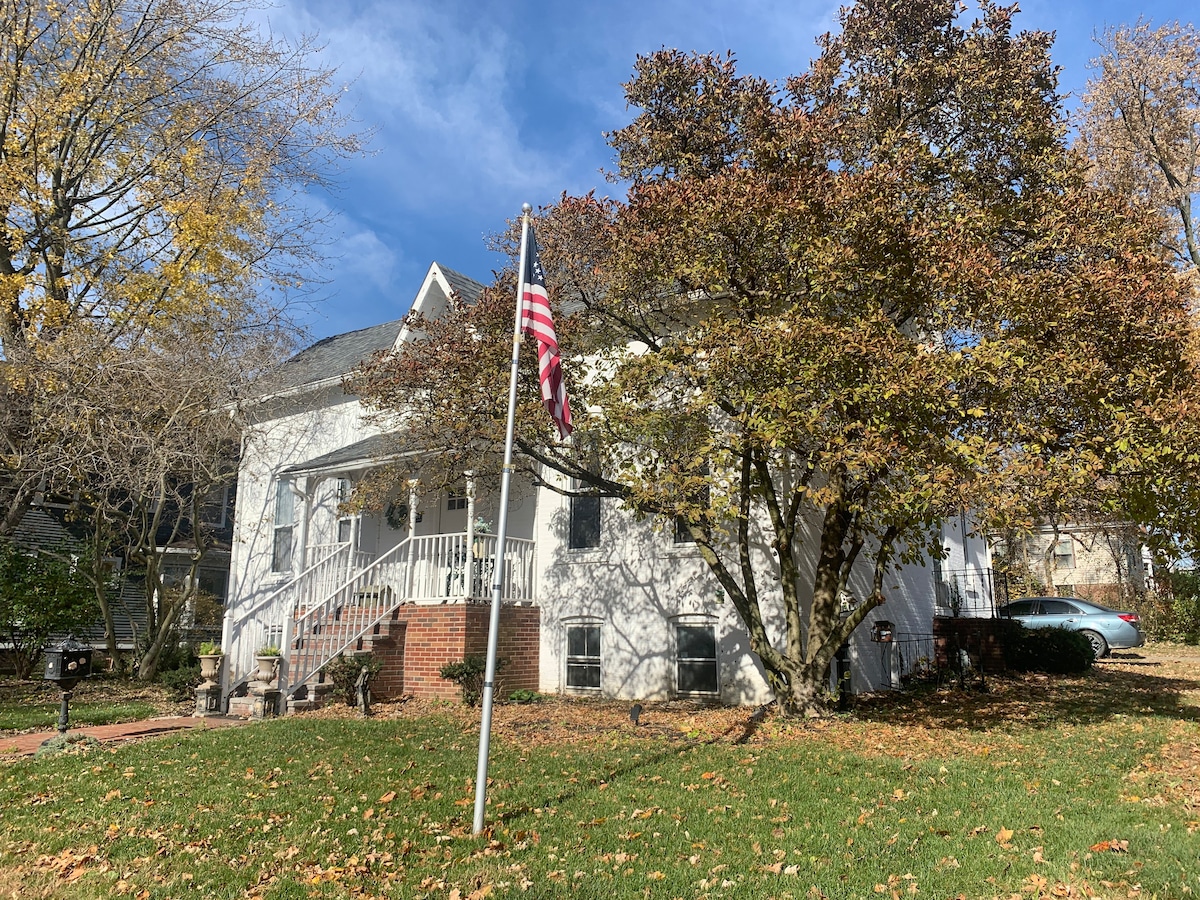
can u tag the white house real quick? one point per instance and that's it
(595, 601)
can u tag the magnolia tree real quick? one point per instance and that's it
(827, 315)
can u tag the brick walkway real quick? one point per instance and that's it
(28, 744)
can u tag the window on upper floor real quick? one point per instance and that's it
(216, 509)
(585, 522)
(683, 533)
(1064, 553)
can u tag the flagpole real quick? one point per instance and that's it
(489, 675)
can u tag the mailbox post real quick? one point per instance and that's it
(66, 665)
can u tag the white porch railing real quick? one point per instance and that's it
(329, 607)
(264, 624)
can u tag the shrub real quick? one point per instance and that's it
(210, 648)
(468, 675)
(1173, 612)
(181, 682)
(524, 695)
(343, 671)
(40, 594)
(1053, 650)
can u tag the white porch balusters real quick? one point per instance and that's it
(467, 557)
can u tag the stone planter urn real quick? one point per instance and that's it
(208, 692)
(264, 692)
(267, 666)
(210, 668)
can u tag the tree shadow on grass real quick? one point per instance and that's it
(1130, 685)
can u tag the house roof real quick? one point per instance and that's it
(466, 287)
(364, 452)
(331, 358)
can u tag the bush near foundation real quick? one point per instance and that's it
(1053, 650)
(343, 673)
(468, 674)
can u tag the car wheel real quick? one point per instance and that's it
(1099, 645)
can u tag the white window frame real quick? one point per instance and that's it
(681, 661)
(586, 659)
(574, 510)
(214, 499)
(284, 527)
(342, 492)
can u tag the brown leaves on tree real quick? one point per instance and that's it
(882, 295)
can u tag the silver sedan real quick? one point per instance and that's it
(1106, 629)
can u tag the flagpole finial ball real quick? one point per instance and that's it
(526, 208)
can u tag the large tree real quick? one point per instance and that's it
(149, 449)
(154, 156)
(829, 315)
(1140, 122)
(1139, 125)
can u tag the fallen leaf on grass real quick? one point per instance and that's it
(1113, 846)
(1003, 836)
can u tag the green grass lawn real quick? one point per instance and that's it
(34, 704)
(948, 795)
(32, 716)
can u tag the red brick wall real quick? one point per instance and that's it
(422, 639)
(388, 683)
(983, 639)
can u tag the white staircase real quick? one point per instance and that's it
(340, 598)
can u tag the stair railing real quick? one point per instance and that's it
(265, 623)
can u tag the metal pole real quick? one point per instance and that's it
(64, 712)
(489, 674)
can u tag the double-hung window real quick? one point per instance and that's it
(703, 497)
(583, 656)
(285, 526)
(696, 658)
(345, 521)
(585, 522)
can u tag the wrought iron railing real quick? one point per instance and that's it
(970, 592)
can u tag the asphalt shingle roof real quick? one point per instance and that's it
(334, 356)
(366, 450)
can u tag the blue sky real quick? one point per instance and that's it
(479, 107)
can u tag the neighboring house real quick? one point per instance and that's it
(47, 526)
(595, 601)
(1107, 564)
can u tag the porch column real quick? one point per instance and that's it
(468, 554)
(413, 484)
(304, 488)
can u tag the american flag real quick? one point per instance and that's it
(537, 323)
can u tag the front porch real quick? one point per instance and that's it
(420, 605)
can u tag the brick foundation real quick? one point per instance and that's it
(416, 641)
(983, 639)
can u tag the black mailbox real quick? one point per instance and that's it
(67, 663)
(881, 632)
